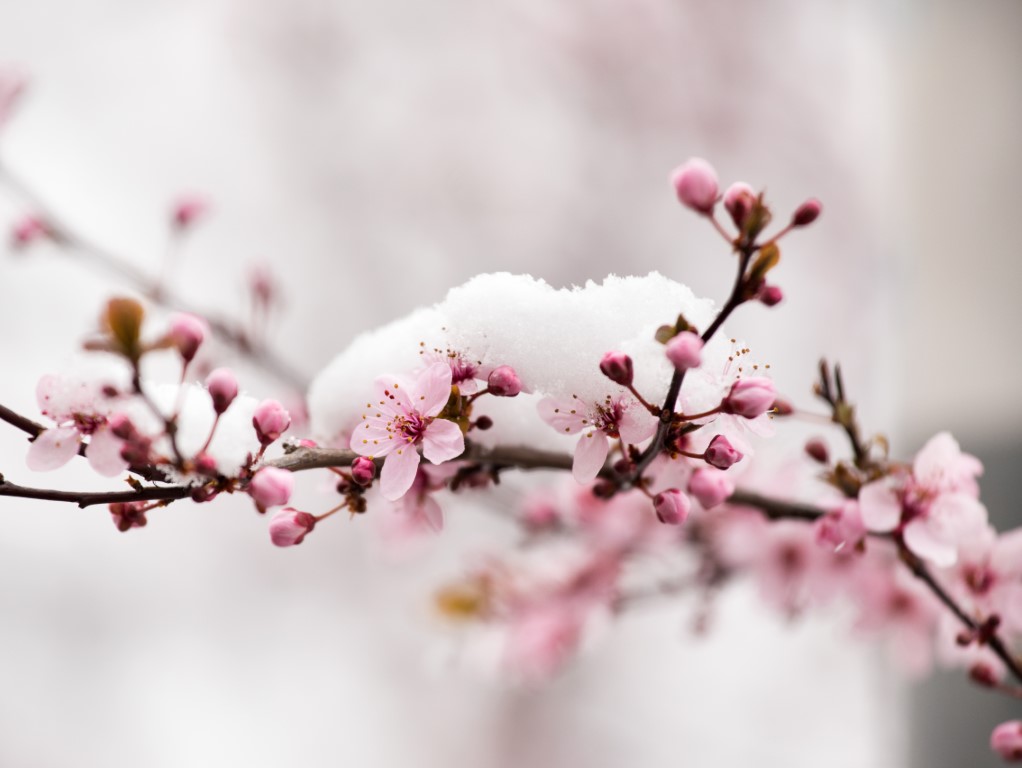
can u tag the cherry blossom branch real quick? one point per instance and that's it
(90, 498)
(230, 333)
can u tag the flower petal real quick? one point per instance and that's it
(431, 389)
(925, 540)
(567, 415)
(636, 424)
(398, 472)
(880, 507)
(52, 449)
(104, 453)
(371, 438)
(442, 441)
(427, 513)
(590, 454)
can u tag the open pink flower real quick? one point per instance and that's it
(936, 506)
(598, 422)
(404, 417)
(77, 409)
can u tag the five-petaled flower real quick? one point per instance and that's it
(404, 417)
(614, 417)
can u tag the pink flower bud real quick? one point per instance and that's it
(270, 420)
(695, 183)
(363, 470)
(1006, 740)
(504, 382)
(223, 388)
(738, 200)
(671, 506)
(27, 230)
(750, 397)
(721, 454)
(289, 526)
(806, 213)
(187, 210)
(710, 487)
(816, 449)
(617, 366)
(771, 295)
(186, 334)
(685, 351)
(128, 515)
(205, 465)
(121, 426)
(271, 487)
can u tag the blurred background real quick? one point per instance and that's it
(373, 155)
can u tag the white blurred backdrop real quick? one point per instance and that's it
(376, 154)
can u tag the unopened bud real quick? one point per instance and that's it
(289, 526)
(27, 230)
(721, 454)
(205, 465)
(223, 388)
(695, 183)
(685, 351)
(710, 487)
(270, 420)
(1006, 740)
(750, 398)
(817, 450)
(128, 515)
(671, 506)
(739, 200)
(983, 674)
(363, 470)
(504, 382)
(271, 487)
(617, 366)
(771, 295)
(186, 334)
(806, 213)
(188, 210)
(484, 423)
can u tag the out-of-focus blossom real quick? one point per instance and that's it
(271, 487)
(1006, 740)
(695, 183)
(289, 526)
(270, 421)
(685, 351)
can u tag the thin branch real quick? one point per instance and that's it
(88, 498)
(230, 333)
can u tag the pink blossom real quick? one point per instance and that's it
(271, 487)
(617, 366)
(806, 213)
(363, 470)
(128, 515)
(695, 183)
(672, 506)
(404, 417)
(504, 382)
(187, 210)
(77, 408)
(288, 527)
(750, 397)
(465, 372)
(988, 575)
(841, 530)
(710, 486)
(223, 388)
(738, 200)
(28, 229)
(721, 454)
(270, 420)
(685, 351)
(936, 506)
(187, 333)
(598, 422)
(1006, 740)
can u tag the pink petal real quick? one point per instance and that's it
(104, 453)
(925, 539)
(428, 513)
(567, 416)
(442, 441)
(431, 389)
(399, 472)
(880, 507)
(636, 424)
(371, 438)
(52, 449)
(393, 395)
(590, 454)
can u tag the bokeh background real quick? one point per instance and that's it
(373, 155)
